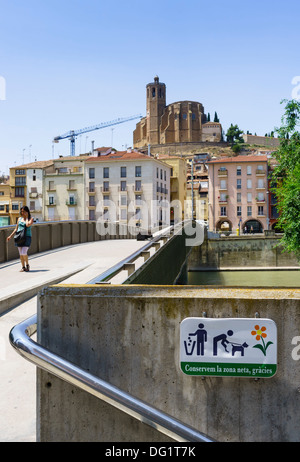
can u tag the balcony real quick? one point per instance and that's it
(71, 202)
(105, 189)
(260, 172)
(222, 172)
(33, 195)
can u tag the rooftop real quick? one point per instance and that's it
(239, 159)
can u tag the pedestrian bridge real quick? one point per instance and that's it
(109, 346)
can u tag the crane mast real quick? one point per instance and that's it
(72, 134)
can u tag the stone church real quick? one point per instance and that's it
(180, 122)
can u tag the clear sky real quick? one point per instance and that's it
(69, 64)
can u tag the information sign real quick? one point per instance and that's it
(234, 347)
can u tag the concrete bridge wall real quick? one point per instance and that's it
(48, 236)
(129, 336)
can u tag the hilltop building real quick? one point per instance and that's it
(180, 122)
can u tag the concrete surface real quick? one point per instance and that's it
(72, 264)
(129, 336)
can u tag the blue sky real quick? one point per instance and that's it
(70, 64)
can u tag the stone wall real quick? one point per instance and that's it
(250, 251)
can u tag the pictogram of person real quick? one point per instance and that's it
(224, 342)
(201, 338)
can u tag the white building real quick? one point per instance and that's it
(127, 187)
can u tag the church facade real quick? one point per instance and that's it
(180, 122)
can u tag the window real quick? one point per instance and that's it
(249, 197)
(260, 196)
(138, 185)
(15, 207)
(51, 200)
(239, 197)
(105, 172)
(91, 173)
(138, 171)
(123, 186)
(239, 170)
(105, 186)
(20, 172)
(184, 116)
(165, 175)
(71, 200)
(223, 211)
(92, 215)
(249, 184)
(260, 183)
(33, 177)
(92, 201)
(51, 186)
(249, 210)
(260, 210)
(223, 197)
(239, 183)
(123, 214)
(123, 200)
(91, 186)
(157, 170)
(249, 170)
(239, 210)
(138, 199)
(223, 184)
(71, 184)
(153, 92)
(19, 192)
(21, 180)
(32, 205)
(123, 172)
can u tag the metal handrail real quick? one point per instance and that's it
(111, 272)
(42, 357)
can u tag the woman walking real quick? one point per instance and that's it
(25, 221)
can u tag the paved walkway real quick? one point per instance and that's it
(72, 264)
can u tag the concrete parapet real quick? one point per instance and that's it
(129, 336)
(52, 235)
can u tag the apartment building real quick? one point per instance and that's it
(5, 204)
(127, 187)
(64, 189)
(197, 186)
(177, 185)
(26, 183)
(238, 194)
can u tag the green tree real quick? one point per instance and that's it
(234, 134)
(216, 118)
(286, 177)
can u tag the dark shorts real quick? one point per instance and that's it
(27, 242)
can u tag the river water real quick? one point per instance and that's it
(237, 278)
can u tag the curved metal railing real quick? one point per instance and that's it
(20, 339)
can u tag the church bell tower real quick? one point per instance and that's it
(156, 103)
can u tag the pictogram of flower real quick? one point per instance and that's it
(260, 334)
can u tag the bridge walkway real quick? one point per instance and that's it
(76, 264)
